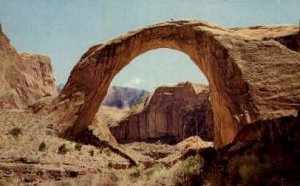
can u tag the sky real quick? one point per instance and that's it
(65, 29)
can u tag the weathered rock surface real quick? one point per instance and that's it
(171, 115)
(250, 78)
(286, 35)
(24, 78)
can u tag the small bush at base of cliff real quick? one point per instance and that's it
(78, 146)
(115, 177)
(42, 146)
(62, 149)
(157, 169)
(15, 132)
(135, 174)
(92, 152)
(246, 169)
(256, 170)
(188, 171)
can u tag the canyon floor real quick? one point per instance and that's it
(32, 154)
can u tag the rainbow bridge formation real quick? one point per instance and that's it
(253, 73)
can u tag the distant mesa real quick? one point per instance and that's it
(119, 97)
(123, 97)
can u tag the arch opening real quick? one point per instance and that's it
(162, 66)
(136, 107)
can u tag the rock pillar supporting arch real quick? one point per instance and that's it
(230, 62)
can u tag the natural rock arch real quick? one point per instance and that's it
(241, 89)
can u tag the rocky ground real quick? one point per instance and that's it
(23, 157)
(32, 153)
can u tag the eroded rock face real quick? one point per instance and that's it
(171, 115)
(24, 78)
(250, 78)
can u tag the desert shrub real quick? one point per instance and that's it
(103, 143)
(78, 146)
(188, 171)
(92, 152)
(63, 149)
(135, 174)
(245, 169)
(191, 165)
(15, 132)
(157, 169)
(42, 146)
(115, 176)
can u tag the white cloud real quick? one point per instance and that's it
(134, 82)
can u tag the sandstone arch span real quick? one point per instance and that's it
(242, 91)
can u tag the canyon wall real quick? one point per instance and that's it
(171, 115)
(24, 78)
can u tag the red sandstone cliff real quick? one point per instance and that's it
(24, 78)
(171, 115)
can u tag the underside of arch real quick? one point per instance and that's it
(250, 78)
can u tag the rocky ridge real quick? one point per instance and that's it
(24, 78)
